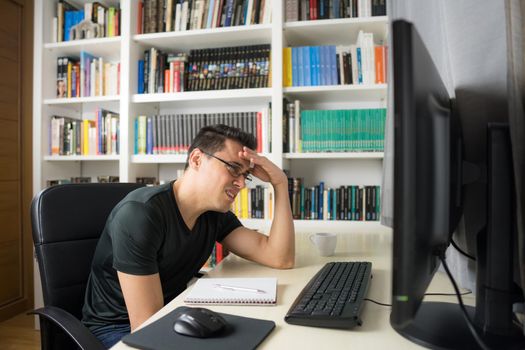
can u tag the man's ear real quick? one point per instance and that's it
(195, 158)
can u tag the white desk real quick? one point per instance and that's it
(375, 333)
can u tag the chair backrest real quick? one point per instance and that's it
(67, 223)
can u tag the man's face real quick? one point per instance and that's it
(225, 174)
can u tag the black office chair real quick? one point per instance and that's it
(67, 223)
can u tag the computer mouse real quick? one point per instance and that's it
(199, 322)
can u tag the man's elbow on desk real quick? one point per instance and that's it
(283, 264)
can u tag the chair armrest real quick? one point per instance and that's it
(71, 326)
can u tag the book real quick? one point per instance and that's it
(237, 291)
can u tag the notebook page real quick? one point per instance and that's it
(247, 291)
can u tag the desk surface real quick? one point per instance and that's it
(375, 333)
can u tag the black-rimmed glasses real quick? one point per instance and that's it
(234, 169)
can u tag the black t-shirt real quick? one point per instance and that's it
(145, 234)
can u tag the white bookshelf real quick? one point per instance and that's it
(334, 168)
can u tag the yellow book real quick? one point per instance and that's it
(287, 66)
(141, 138)
(270, 204)
(85, 137)
(244, 203)
(69, 78)
(237, 205)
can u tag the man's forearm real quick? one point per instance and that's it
(282, 233)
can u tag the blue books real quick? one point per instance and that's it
(149, 136)
(320, 208)
(333, 65)
(85, 73)
(359, 67)
(315, 65)
(295, 70)
(307, 66)
(140, 87)
(210, 13)
(229, 13)
(300, 65)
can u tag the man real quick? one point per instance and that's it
(157, 238)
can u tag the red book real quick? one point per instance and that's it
(167, 86)
(380, 64)
(176, 76)
(116, 23)
(259, 132)
(140, 10)
(219, 13)
(218, 252)
(313, 9)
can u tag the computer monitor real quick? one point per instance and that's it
(429, 178)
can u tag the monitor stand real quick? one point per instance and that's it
(440, 325)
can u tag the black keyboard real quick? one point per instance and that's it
(333, 298)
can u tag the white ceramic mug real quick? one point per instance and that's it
(325, 242)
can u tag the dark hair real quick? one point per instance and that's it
(211, 139)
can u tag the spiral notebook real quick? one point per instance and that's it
(235, 291)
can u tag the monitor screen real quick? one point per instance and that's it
(428, 182)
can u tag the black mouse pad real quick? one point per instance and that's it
(242, 333)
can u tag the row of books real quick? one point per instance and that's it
(173, 134)
(353, 69)
(355, 203)
(87, 76)
(239, 67)
(162, 72)
(180, 15)
(82, 179)
(305, 10)
(93, 20)
(100, 135)
(357, 130)
(351, 202)
(362, 63)
(352, 130)
(254, 203)
(100, 179)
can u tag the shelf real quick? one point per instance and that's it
(82, 158)
(208, 38)
(159, 158)
(80, 100)
(103, 47)
(335, 155)
(338, 226)
(243, 97)
(337, 93)
(167, 158)
(342, 31)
